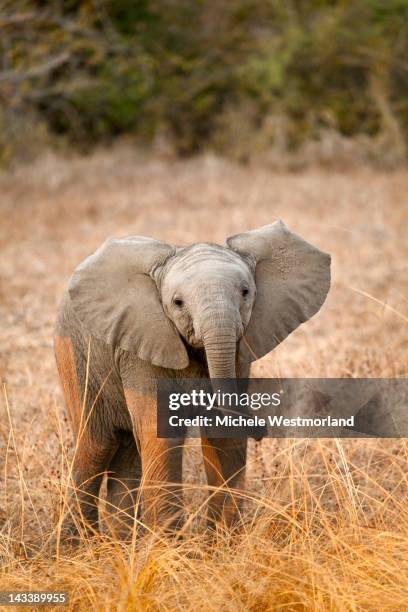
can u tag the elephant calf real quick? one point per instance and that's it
(139, 309)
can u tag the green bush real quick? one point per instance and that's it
(186, 68)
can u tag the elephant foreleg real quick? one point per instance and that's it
(124, 477)
(224, 462)
(161, 484)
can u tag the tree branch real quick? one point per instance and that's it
(13, 76)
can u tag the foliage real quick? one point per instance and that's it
(95, 69)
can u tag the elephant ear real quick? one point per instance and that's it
(292, 279)
(117, 300)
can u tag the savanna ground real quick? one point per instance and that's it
(326, 526)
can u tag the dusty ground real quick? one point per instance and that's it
(54, 213)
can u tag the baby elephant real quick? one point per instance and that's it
(138, 310)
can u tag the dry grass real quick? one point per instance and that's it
(327, 521)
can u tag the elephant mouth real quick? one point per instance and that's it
(195, 341)
(240, 331)
(192, 339)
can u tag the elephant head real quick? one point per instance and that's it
(236, 301)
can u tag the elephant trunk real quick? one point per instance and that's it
(220, 348)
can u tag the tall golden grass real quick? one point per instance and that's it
(325, 525)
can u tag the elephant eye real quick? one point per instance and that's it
(245, 291)
(178, 302)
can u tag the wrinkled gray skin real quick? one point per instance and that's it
(139, 309)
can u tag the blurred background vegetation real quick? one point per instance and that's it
(245, 78)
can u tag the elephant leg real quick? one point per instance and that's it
(93, 451)
(224, 462)
(162, 487)
(161, 484)
(90, 462)
(124, 477)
